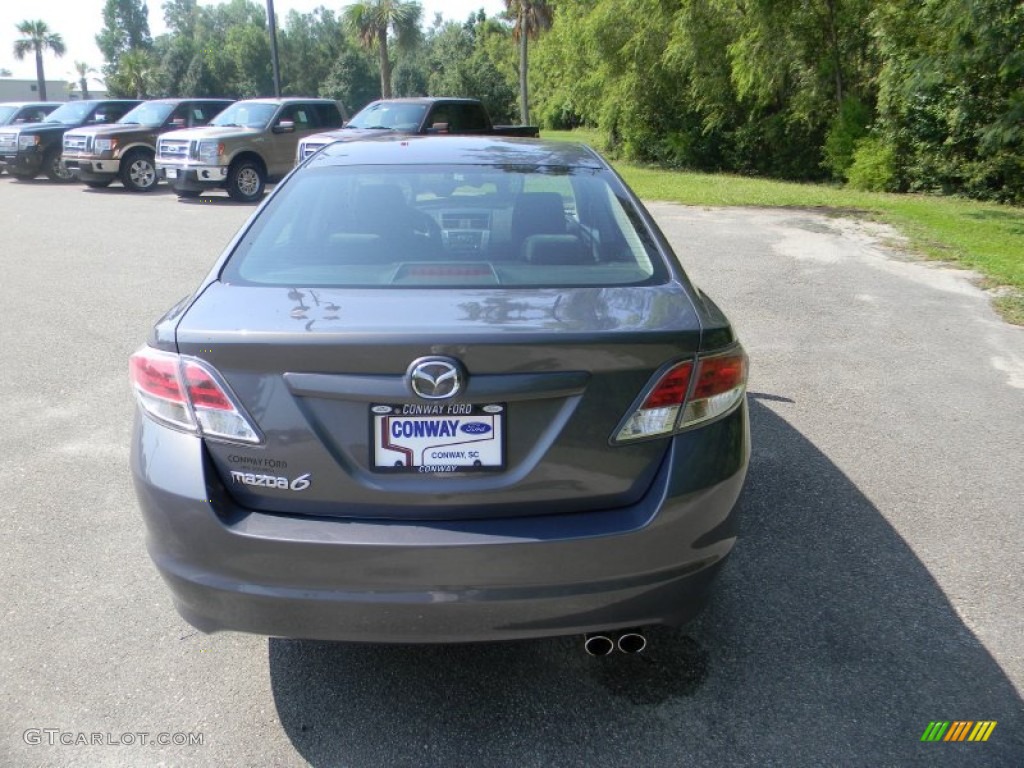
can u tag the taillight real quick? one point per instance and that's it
(717, 387)
(188, 394)
(157, 386)
(721, 382)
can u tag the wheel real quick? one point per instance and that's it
(22, 176)
(246, 181)
(102, 184)
(138, 173)
(187, 194)
(53, 169)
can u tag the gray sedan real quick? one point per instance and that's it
(443, 389)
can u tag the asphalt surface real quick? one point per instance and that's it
(877, 585)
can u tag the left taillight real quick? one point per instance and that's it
(188, 394)
(687, 394)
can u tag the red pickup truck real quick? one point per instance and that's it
(415, 116)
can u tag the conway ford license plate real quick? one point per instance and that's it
(455, 437)
(171, 173)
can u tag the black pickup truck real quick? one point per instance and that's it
(416, 116)
(31, 149)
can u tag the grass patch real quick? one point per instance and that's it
(986, 237)
(1011, 308)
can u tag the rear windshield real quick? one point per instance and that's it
(424, 226)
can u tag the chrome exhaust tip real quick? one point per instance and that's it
(598, 645)
(632, 641)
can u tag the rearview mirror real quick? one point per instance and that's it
(285, 126)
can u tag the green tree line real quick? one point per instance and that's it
(354, 55)
(882, 94)
(886, 94)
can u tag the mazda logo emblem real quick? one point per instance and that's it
(435, 378)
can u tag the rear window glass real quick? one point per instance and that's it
(328, 115)
(424, 226)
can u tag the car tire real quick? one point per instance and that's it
(54, 170)
(138, 171)
(187, 194)
(246, 181)
(103, 184)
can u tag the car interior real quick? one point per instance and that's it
(372, 226)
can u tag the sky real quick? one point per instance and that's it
(79, 21)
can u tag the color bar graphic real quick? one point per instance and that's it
(982, 730)
(958, 730)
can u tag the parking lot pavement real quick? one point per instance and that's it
(876, 587)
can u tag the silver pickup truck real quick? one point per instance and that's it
(245, 146)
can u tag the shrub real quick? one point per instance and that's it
(848, 127)
(874, 166)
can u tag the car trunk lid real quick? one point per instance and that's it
(547, 374)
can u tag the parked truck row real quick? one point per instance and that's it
(204, 144)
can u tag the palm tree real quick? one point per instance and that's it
(36, 36)
(372, 20)
(82, 71)
(134, 73)
(531, 17)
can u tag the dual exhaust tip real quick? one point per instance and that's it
(630, 641)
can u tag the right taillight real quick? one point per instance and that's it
(188, 394)
(687, 394)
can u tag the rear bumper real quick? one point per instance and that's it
(233, 569)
